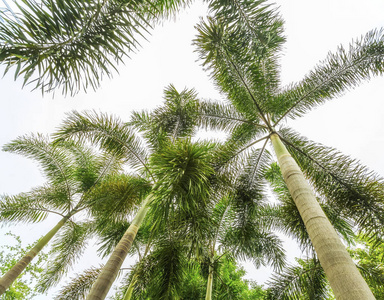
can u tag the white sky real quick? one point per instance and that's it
(353, 123)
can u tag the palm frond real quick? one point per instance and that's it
(67, 248)
(108, 132)
(79, 286)
(168, 270)
(184, 172)
(175, 119)
(339, 72)
(116, 196)
(223, 117)
(251, 242)
(240, 45)
(21, 208)
(74, 44)
(34, 206)
(349, 187)
(305, 281)
(55, 163)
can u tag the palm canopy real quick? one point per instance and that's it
(78, 180)
(244, 65)
(73, 44)
(180, 171)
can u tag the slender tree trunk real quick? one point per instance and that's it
(17, 269)
(128, 293)
(208, 295)
(345, 279)
(109, 272)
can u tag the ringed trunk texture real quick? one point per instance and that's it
(109, 272)
(17, 269)
(344, 278)
(208, 295)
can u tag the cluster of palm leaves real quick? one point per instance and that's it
(186, 201)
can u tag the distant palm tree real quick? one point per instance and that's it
(78, 181)
(73, 44)
(178, 169)
(241, 45)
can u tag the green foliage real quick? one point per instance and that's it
(74, 44)
(174, 119)
(228, 281)
(369, 256)
(23, 287)
(303, 281)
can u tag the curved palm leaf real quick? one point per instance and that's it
(110, 133)
(73, 44)
(174, 119)
(68, 246)
(79, 286)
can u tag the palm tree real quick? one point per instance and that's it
(179, 170)
(78, 181)
(241, 44)
(73, 44)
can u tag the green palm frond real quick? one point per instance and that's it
(53, 160)
(116, 196)
(79, 286)
(21, 208)
(248, 241)
(304, 281)
(108, 132)
(68, 246)
(174, 119)
(184, 171)
(211, 42)
(35, 205)
(74, 44)
(168, 270)
(349, 187)
(242, 55)
(258, 20)
(90, 167)
(339, 72)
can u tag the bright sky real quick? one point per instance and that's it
(353, 123)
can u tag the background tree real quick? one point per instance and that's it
(78, 180)
(24, 286)
(179, 170)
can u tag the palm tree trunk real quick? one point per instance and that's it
(208, 295)
(344, 278)
(128, 293)
(17, 269)
(109, 273)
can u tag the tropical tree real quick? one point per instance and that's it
(73, 44)
(23, 287)
(78, 181)
(241, 45)
(306, 279)
(179, 170)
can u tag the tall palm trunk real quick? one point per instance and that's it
(208, 295)
(17, 269)
(128, 293)
(346, 281)
(109, 273)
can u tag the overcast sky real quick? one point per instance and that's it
(353, 123)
